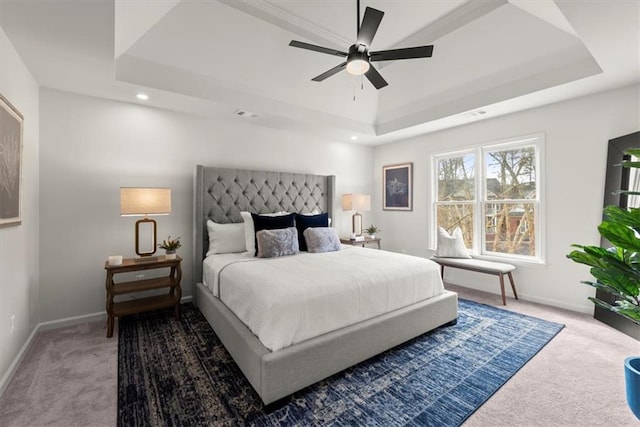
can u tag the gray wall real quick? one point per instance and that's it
(577, 134)
(91, 147)
(19, 273)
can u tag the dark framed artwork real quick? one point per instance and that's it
(11, 124)
(397, 192)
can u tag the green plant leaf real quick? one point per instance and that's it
(585, 258)
(633, 152)
(606, 288)
(617, 279)
(627, 192)
(630, 164)
(630, 218)
(631, 312)
(619, 235)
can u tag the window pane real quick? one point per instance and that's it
(511, 174)
(510, 228)
(456, 178)
(460, 215)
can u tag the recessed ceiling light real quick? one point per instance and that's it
(142, 96)
(353, 138)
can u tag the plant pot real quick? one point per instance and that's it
(373, 236)
(632, 381)
(170, 254)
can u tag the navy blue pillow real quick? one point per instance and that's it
(305, 221)
(261, 222)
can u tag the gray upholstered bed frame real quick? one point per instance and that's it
(220, 195)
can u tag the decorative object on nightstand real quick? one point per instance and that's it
(356, 202)
(372, 230)
(139, 305)
(145, 202)
(170, 247)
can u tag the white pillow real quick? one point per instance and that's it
(451, 246)
(225, 238)
(250, 230)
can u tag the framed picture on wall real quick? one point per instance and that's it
(397, 187)
(11, 123)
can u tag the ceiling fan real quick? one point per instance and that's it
(359, 58)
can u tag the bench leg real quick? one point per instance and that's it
(504, 298)
(513, 285)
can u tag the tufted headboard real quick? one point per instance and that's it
(221, 194)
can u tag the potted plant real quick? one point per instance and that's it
(617, 272)
(170, 246)
(372, 230)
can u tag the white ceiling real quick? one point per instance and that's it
(213, 57)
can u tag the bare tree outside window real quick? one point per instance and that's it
(456, 195)
(510, 179)
(507, 201)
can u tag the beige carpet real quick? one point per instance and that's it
(69, 377)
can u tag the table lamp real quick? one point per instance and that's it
(356, 202)
(145, 202)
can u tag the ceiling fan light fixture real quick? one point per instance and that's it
(357, 66)
(357, 60)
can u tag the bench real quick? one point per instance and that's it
(489, 267)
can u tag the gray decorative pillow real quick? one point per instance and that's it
(275, 243)
(321, 239)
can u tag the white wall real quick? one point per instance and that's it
(19, 276)
(91, 147)
(577, 134)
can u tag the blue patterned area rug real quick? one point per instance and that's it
(177, 373)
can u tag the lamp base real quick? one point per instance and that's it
(150, 225)
(356, 223)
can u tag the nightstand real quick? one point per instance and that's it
(123, 308)
(363, 243)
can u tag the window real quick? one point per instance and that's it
(492, 193)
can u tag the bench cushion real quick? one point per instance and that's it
(476, 265)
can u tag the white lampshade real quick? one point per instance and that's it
(356, 202)
(145, 201)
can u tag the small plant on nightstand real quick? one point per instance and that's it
(372, 230)
(170, 246)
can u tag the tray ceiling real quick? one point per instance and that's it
(214, 57)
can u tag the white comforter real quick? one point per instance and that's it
(290, 299)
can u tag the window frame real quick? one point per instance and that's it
(537, 141)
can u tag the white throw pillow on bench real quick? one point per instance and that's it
(451, 245)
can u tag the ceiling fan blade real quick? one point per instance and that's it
(331, 72)
(308, 46)
(405, 53)
(375, 78)
(370, 24)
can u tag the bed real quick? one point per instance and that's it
(220, 195)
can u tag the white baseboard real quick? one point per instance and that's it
(55, 324)
(70, 321)
(4, 382)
